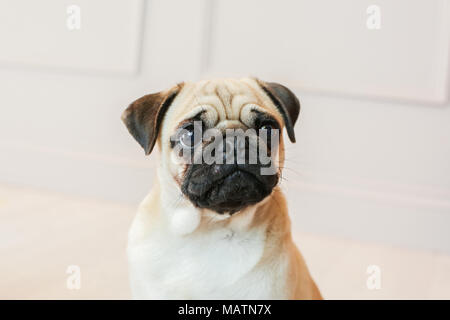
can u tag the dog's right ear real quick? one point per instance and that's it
(144, 116)
(286, 102)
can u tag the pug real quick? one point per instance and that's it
(214, 227)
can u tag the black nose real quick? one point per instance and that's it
(232, 185)
(226, 187)
(237, 190)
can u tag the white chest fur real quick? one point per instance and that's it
(223, 262)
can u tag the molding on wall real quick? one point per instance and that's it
(391, 192)
(443, 72)
(141, 37)
(208, 34)
(48, 63)
(446, 13)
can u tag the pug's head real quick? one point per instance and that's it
(221, 140)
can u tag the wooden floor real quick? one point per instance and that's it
(42, 233)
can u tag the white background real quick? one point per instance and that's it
(372, 158)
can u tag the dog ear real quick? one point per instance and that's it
(286, 102)
(144, 116)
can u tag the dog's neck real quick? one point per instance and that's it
(179, 212)
(156, 211)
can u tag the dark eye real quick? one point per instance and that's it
(267, 126)
(190, 136)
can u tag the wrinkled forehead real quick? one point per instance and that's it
(219, 101)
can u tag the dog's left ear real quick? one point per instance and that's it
(286, 102)
(144, 116)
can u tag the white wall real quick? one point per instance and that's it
(372, 160)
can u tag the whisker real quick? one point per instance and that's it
(294, 171)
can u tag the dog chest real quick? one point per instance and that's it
(195, 266)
